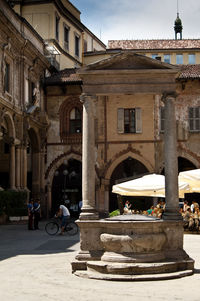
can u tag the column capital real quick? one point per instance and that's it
(85, 97)
(167, 95)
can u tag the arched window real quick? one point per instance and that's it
(75, 121)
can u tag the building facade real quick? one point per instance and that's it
(42, 112)
(58, 23)
(23, 119)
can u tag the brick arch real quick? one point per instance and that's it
(60, 160)
(121, 156)
(189, 155)
(64, 112)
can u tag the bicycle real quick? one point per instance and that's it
(53, 227)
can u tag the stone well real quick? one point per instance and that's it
(132, 247)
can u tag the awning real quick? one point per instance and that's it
(152, 185)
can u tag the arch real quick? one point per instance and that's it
(59, 161)
(125, 170)
(190, 156)
(72, 102)
(185, 164)
(125, 156)
(56, 164)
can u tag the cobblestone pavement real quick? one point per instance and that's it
(36, 267)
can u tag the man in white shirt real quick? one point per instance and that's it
(65, 215)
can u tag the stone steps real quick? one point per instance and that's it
(147, 277)
(117, 268)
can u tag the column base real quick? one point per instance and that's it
(88, 212)
(172, 214)
(89, 215)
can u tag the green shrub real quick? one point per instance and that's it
(13, 203)
(114, 213)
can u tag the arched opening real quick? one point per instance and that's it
(126, 170)
(4, 160)
(184, 165)
(67, 186)
(8, 135)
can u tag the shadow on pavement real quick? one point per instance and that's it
(18, 240)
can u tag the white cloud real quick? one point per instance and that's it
(139, 19)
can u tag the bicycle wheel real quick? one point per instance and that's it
(52, 228)
(71, 228)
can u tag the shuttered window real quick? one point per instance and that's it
(194, 119)
(129, 120)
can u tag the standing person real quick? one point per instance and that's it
(65, 215)
(192, 207)
(30, 215)
(36, 207)
(80, 204)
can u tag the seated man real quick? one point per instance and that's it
(65, 215)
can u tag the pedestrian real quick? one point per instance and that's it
(80, 204)
(63, 212)
(30, 215)
(36, 207)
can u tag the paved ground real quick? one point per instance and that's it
(36, 267)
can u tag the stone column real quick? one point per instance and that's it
(18, 167)
(12, 166)
(24, 166)
(171, 162)
(49, 199)
(88, 158)
(42, 171)
(36, 174)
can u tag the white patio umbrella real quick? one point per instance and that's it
(152, 185)
(192, 177)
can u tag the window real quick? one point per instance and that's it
(57, 27)
(167, 58)
(179, 59)
(162, 119)
(129, 120)
(7, 78)
(154, 56)
(66, 37)
(75, 122)
(31, 92)
(191, 59)
(194, 119)
(77, 41)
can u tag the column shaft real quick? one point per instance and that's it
(24, 167)
(171, 162)
(18, 167)
(12, 166)
(88, 159)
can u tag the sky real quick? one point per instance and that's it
(139, 19)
